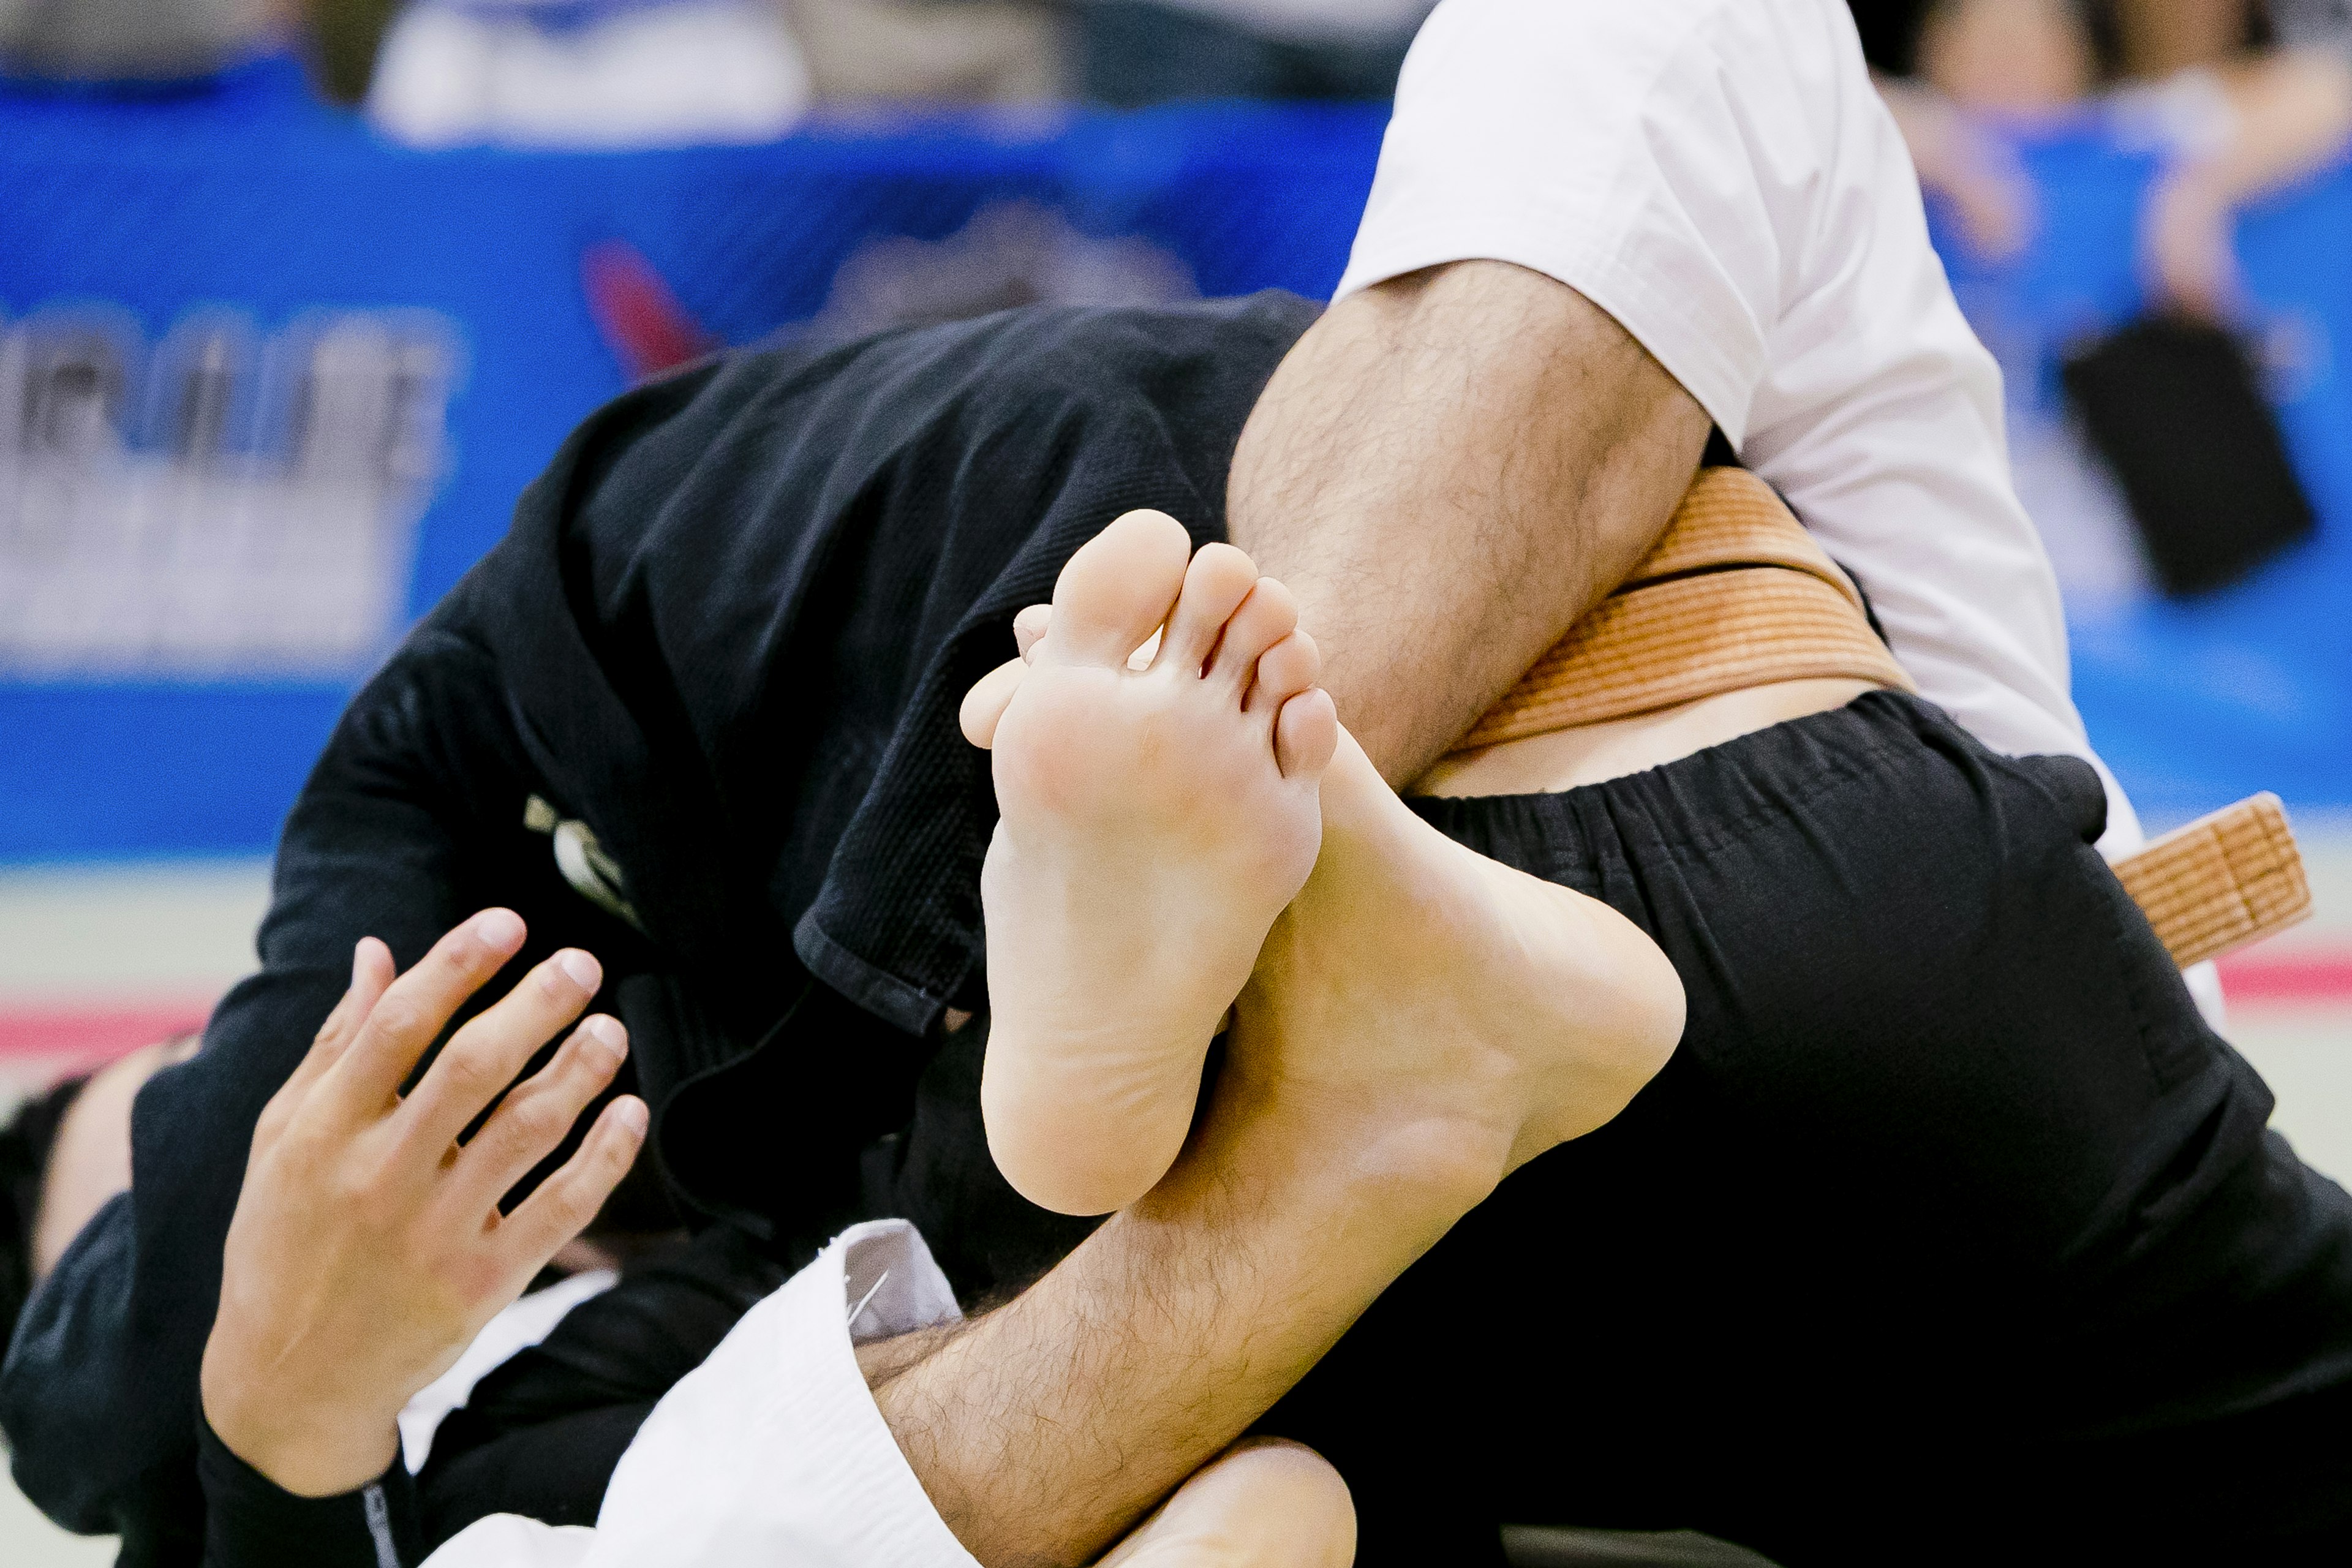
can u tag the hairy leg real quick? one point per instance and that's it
(1422, 1021)
(1448, 470)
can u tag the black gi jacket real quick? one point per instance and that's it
(729, 630)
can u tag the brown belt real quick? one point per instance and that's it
(1737, 595)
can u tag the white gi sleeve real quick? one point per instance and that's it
(773, 1450)
(1720, 176)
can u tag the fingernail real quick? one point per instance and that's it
(582, 969)
(357, 949)
(499, 929)
(608, 1034)
(631, 1115)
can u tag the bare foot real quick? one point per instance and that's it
(1465, 1017)
(1261, 1504)
(1155, 820)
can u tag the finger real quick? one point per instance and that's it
(372, 971)
(410, 1014)
(484, 1056)
(565, 1201)
(984, 705)
(537, 1116)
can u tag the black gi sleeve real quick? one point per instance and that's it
(251, 1521)
(393, 836)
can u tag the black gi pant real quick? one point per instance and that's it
(1949, 1232)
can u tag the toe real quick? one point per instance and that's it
(1284, 670)
(984, 704)
(1306, 735)
(1265, 619)
(1216, 582)
(1117, 590)
(1029, 630)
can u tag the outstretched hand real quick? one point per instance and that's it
(368, 1247)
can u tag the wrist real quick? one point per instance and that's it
(308, 1451)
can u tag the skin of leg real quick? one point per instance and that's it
(90, 1159)
(1262, 1503)
(1327, 973)
(1448, 470)
(1422, 1020)
(1046, 1429)
(1154, 821)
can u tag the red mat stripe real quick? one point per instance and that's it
(96, 1032)
(2323, 975)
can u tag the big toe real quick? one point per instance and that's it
(1117, 590)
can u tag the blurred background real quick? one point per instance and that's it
(297, 295)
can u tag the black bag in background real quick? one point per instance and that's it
(2174, 409)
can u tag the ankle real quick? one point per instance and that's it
(1404, 1173)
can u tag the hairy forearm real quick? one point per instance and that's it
(1043, 1430)
(1448, 469)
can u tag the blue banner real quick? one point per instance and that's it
(269, 385)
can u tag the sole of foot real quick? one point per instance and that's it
(1155, 818)
(1460, 1016)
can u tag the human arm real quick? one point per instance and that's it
(90, 1159)
(1045, 1429)
(1723, 181)
(400, 831)
(368, 1245)
(1448, 469)
(2288, 115)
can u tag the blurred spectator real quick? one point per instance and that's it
(1137, 52)
(344, 35)
(2242, 97)
(588, 73)
(130, 41)
(2253, 98)
(989, 51)
(1964, 60)
(969, 51)
(1010, 254)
